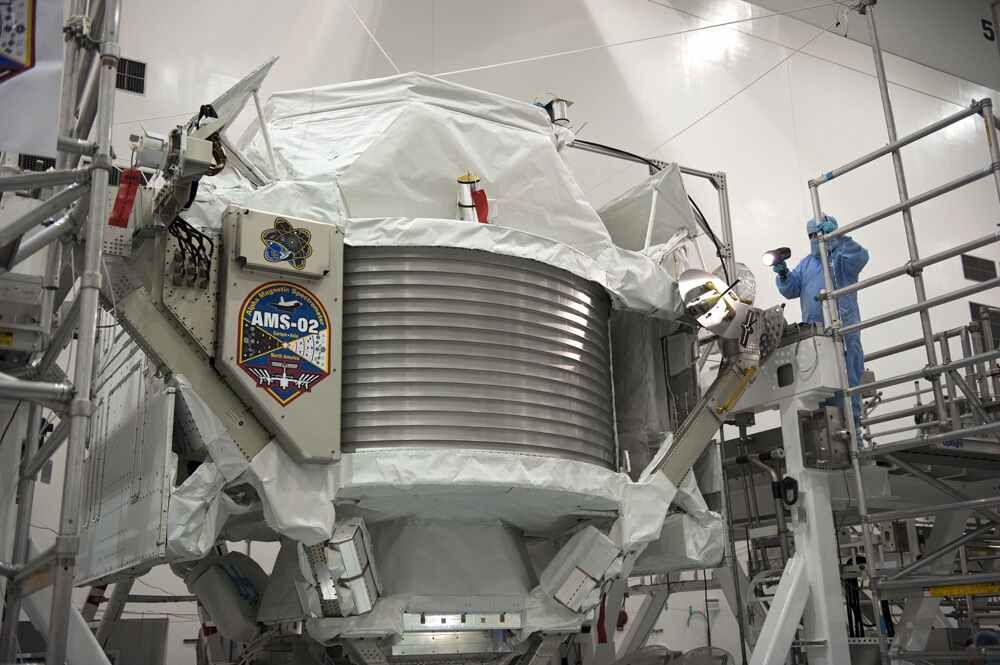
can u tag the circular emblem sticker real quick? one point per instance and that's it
(284, 340)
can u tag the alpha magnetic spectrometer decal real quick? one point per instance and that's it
(284, 340)
(287, 243)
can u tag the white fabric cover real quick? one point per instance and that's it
(628, 219)
(391, 149)
(694, 539)
(298, 500)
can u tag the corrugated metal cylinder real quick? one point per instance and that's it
(465, 349)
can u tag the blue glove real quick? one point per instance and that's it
(781, 269)
(827, 226)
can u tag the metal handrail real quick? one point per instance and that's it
(913, 201)
(920, 442)
(892, 515)
(928, 303)
(912, 344)
(976, 108)
(925, 372)
(913, 266)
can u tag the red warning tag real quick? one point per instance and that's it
(128, 185)
(482, 205)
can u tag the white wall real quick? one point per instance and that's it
(675, 97)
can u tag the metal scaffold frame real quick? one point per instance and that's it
(79, 211)
(948, 424)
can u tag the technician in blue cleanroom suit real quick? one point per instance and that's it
(847, 259)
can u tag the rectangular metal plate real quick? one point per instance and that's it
(280, 334)
(277, 243)
(127, 473)
(822, 447)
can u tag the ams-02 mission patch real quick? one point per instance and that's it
(284, 340)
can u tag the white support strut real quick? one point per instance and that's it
(783, 618)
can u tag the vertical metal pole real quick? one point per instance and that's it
(986, 329)
(832, 313)
(963, 560)
(734, 569)
(956, 420)
(727, 225)
(26, 486)
(979, 346)
(991, 140)
(265, 132)
(970, 371)
(911, 239)
(753, 510)
(90, 284)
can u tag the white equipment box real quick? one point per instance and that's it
(281, 325)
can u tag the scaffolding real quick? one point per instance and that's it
(76, 213)
(947, 424)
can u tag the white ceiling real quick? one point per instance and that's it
(947, 35)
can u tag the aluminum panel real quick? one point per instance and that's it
(128, 471)
(448, 347)
(280, 327)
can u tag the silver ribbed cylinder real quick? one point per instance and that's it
(465, 349)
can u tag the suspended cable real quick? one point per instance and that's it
(639, 40)
(372, 36)
(728, 99)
